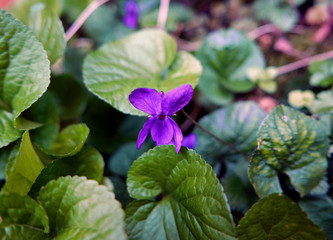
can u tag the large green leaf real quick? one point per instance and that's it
(20, 7)
(46, 25)
(226, 55)
(237, 124)
(88, 162)
(276, 217)
(7, 130)
(292, 143)
(81, 209)
(147, 58)
(321, 73)
(70, 140)
(190, 203)
(24, 67)
(22, 218)
(320, 211)
(24, 170)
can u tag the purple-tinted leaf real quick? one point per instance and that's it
(162, 130)
(176, 99)
(144, 131)
(147, 100)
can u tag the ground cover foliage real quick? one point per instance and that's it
(256, 160)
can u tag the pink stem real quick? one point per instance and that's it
(304, 62)
(262, 30)
(83, 17)
(163, 14)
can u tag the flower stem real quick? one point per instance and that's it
(214, 136)
(83, 17)
(304, 62)
(262, 30)
(163, 14)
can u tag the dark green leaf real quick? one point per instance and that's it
(292, 143)
(193, 205)
(237, 124)
(61, 88)
(124, 156)
(24, 67)
(22, 218)
(320, 211)
(88, 162)
(81, 209)
(276, 217)
(138, 60)
(24, 170)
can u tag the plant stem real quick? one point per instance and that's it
(163, 14)
(304, 62)
(83, 17)
(262, 30)
(214, 136)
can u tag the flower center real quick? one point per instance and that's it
(162, 116)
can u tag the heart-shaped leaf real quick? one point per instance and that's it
(226, 55)
(237, 124)
(277, 217)
(81, 209)
(189, 200)
(291, 143)
(145, 59)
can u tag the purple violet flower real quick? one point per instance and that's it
(131, 14)
(189, 141)
(160, 106)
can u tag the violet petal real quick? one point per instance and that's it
(176, 99)
(189, 141)
(131, 14)
(144, 131)
(162, 130)
(178, 135)
(147, 100)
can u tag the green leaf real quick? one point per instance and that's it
(124, 156)
(20, 7)
(46, 25)
(25, 169)
(24, 124)
(193, 205)
(70, 140)
(277, 217)
(88, 162)
(81, 209)
(320, 211)
(321, 73)
(147, 59)
(276, 10)
(44, 111)
(323, 102)
(24, 67)
(226, 55)
(22, 218)
(7, 130)
(237, 124)
(292, 143)
(66, 85)
(6, 153)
